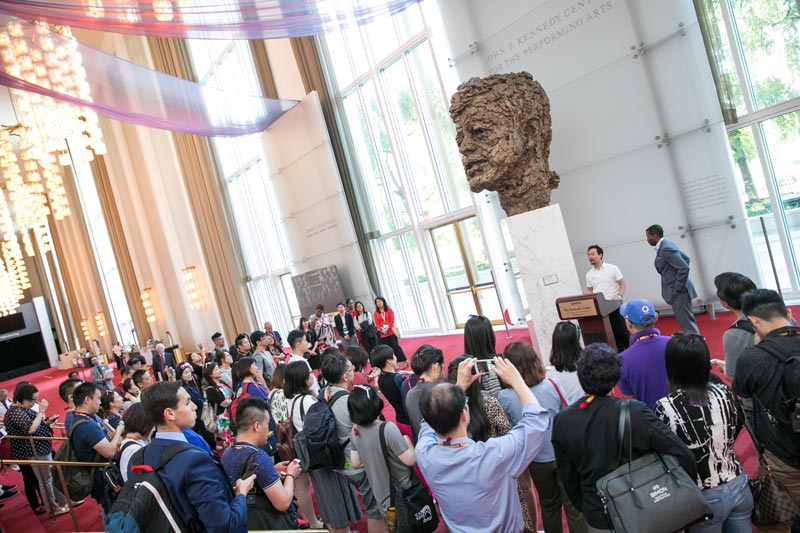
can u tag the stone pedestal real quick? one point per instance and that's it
(547, 268)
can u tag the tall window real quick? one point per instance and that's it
(411, 177)
(120, 318)
(229, 65)
(759, 61)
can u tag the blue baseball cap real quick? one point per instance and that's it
(641, 312)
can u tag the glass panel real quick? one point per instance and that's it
(477, 259)
(754, 193)
(291, 297)
(771, 46)
(386, 156)
(424, 295)
(382, 38)
(782, 135)
(426, 82)
(409, 21)
(402, 281)
(368, 161)
(358, 53)
(463, 305)
(337, 52)
(450, 257)
(490, 304)
(412, 135)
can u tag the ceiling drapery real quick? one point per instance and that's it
(206, 19)
(131, 93)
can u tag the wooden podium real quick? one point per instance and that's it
(591, 311)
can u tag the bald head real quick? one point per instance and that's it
(442, 407)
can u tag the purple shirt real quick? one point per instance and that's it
(644, 373)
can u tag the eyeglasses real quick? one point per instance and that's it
(366, 388)
(480, 317)
(466, 402)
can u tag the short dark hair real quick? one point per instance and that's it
(136, 421)
(599, 369)
(241, 338)
(278, 376)
(527, 361)
(66, 388)
(596, 247)
(296, 379)
(162, 395)
(688, 365)
(320, 307)
(256, 336)
(216, 336)
(126, 369)
(137, 361)
(765, 304)
(127, 384)
(25, 392)
(294, 337)
(364, 405)
(425, 357)
(83, 391)
(327, 352)
(380, 355)
(334, 367)
(656, 230)
(358, 356)
(731, 286)
(249, 411)
(479, 339)
(441, 407)
(138, 376)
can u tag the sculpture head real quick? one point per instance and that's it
(503, 131)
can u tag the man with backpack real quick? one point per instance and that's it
(769, 373)
(88, 437)
(740, 335)
(196, 485)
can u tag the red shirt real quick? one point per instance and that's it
(386, 318)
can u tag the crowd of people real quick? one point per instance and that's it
(494, 437)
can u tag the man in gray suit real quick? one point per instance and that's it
(676, 287)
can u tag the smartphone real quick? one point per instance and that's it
(52, 419)
(482, 365)
(250, 471)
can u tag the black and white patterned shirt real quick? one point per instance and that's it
(709, 431)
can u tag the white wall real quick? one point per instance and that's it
(313, 206)
(608, 105)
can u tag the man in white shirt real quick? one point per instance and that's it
(607, 279)
(299, 345)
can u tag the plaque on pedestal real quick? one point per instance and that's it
(591, 311)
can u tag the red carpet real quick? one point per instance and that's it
(17, 515)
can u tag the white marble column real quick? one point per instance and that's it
(548, 271)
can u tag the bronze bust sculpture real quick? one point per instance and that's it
(503, 131)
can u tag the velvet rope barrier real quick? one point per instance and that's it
(131, 93)
(206, 19)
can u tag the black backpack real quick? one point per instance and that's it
(319, 438)
(143, 504)
(787, 412)
(112, 475)
(743, 324)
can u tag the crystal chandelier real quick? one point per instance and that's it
(48, 134)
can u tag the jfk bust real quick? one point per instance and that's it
(503, 131)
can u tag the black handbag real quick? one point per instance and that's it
(416, 512)
(652, 493)
(261, 514)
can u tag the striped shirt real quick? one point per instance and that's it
(708, 430)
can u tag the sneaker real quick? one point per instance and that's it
(302, 524)
(7, 494)
(15, 467)
(40, 510)
(7, 487)
(77, 503)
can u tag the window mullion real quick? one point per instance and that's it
(732, 33)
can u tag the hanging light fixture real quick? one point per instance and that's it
(48, 133)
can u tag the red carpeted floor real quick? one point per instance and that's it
(17, 516)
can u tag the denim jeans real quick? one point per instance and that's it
(732, 505)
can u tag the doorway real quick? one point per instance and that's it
(465, 269)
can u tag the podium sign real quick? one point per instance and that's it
(591, 311)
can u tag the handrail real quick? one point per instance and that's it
(64, 490)
(25, 437)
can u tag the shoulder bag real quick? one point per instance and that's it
(773, 503)
(652, 493)
(416, 512)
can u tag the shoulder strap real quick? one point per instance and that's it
(624, 423)
(336, 397)
(302, 408)
(171, 452)
(384, 448)
(127, 445)
(272, 396)
(248, 460)
(774, 352)
(76, 423)
(563, 400)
